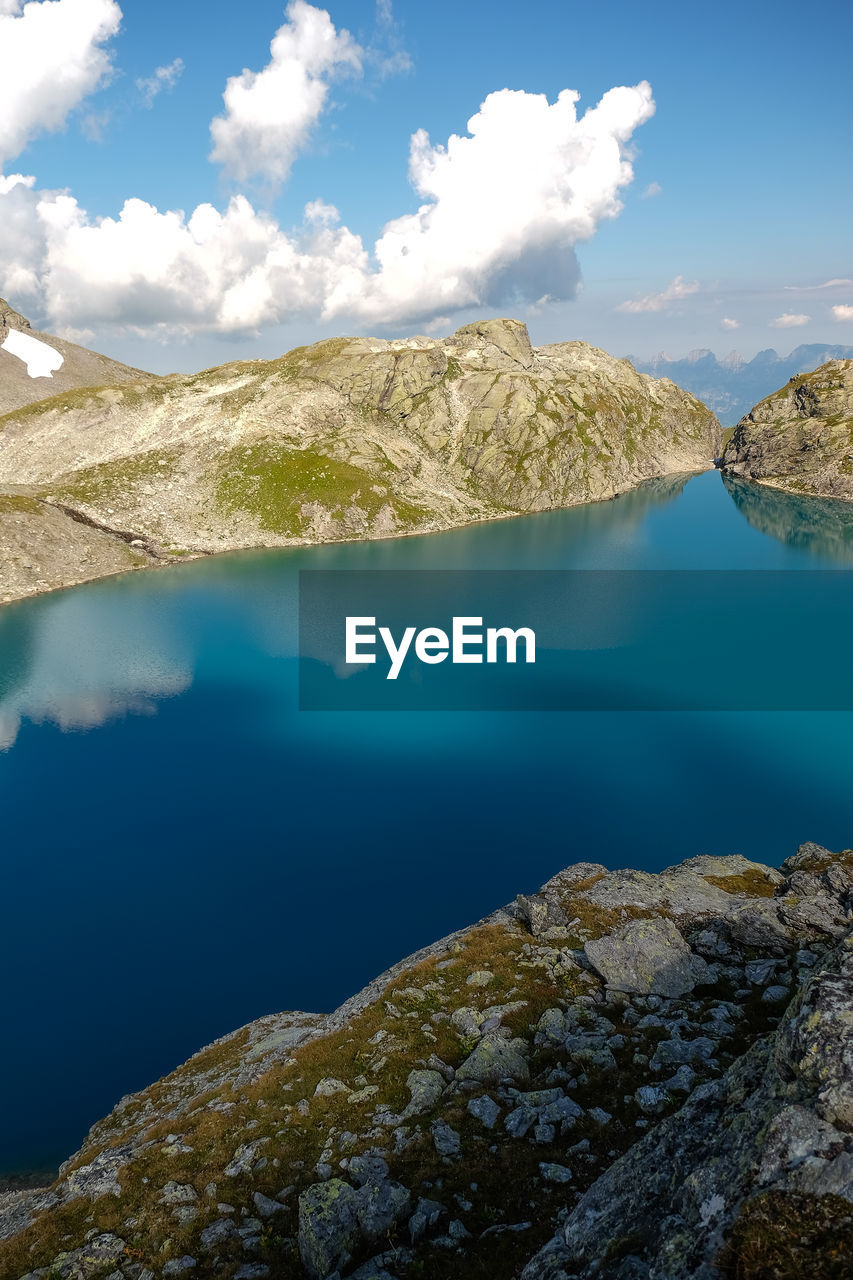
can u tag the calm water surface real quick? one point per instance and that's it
(184, 851)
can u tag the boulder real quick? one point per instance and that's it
(328, 1227)
(647, 957)
(496, 1059)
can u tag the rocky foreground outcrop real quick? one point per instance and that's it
(800, 438)
(627, 1076)
(350, 438)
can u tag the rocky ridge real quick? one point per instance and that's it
(800, 438)
(80, 367)
(349, 438)
(624, 1075)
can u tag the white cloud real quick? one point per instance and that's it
(165, 77)
(387, 55)
(502, 211)
(94, 125)
(674, 292)
(728, 323)
(15, 180)
(653, 189)
(843, 312)
(50, 59)
(504, 206)
(789, 321)
(269, 114)
(836, 283)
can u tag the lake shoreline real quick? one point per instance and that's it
(166, 561)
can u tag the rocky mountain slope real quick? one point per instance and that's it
(79, 368)
(350, 438)
(623, 1076)
(730, 385)
(800, 438)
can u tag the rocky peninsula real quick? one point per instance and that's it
(800, 438)
(349, 438)
(624, 1075)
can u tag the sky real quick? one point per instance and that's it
(185, 184)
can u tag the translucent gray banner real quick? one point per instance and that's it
(575, 640)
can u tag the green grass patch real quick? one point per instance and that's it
(273, 483)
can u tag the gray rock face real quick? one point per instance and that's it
(706, 1123)
(376, 438)
(799, 438)
(647, 957)
(682, 1187)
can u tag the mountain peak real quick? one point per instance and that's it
(11, 319)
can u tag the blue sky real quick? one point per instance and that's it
(738, 207)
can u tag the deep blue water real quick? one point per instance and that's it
(183, 850)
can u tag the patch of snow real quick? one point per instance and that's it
(40, 359)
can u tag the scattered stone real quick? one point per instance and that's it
(759, 972)
(178, 1266)
(599, 1115)
(329, 1086)
(467, 1021)
(519, 1121)
(426, 1087)
(555, 1172)
(775, 994)
(217, 1233)
(651, 1099)
(244, 1158)
(446, 1140)
(379, 1206)
(265, 1206)
(364, 1169)
(485, 1110)
(178, 1193)
(424, 1218)
(496, 1059)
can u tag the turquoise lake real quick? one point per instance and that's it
(183, 850)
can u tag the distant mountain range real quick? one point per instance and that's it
(731, 385)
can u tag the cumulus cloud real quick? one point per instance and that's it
(503, 207)
(502, 210)
(788, 320)
(728, 323)
(51, 57)
(674, 292)
(269, 114)
(843, 312)
(653, 189)
(165, 77)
